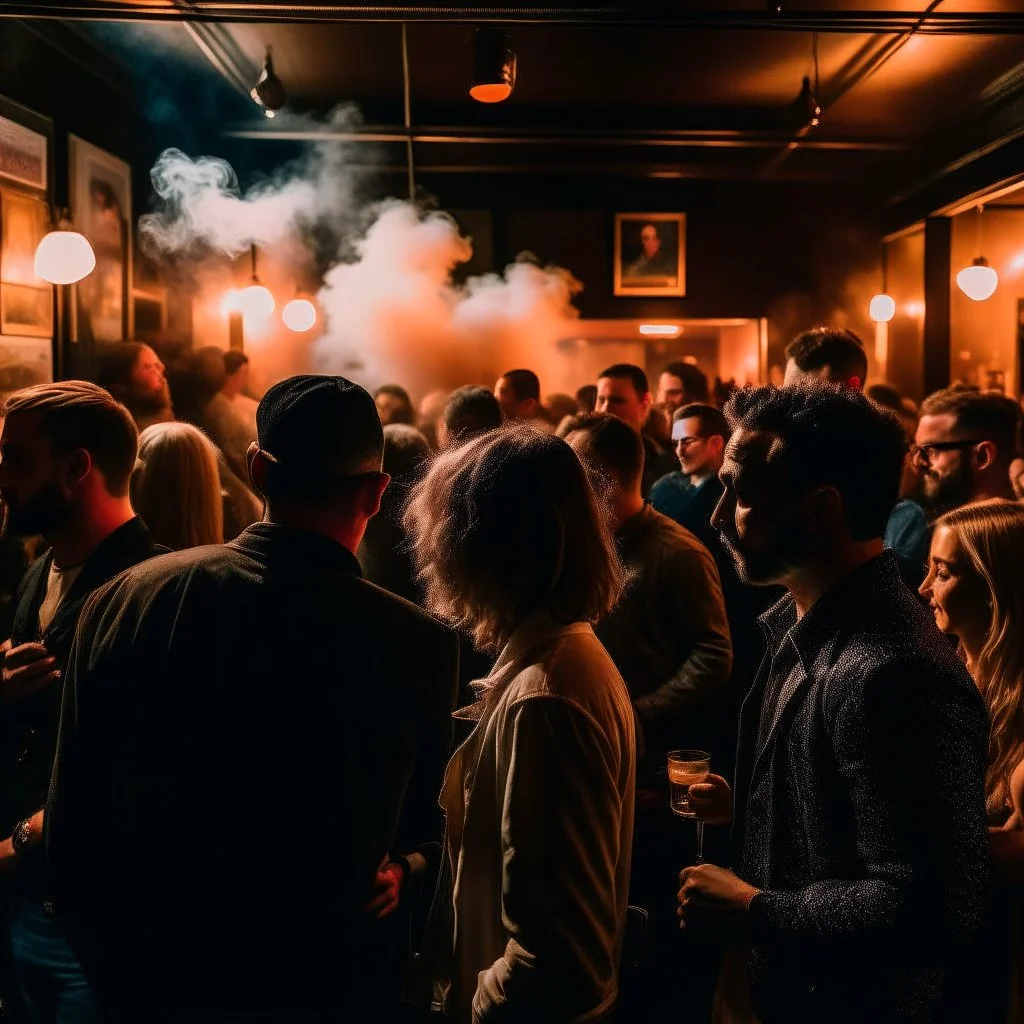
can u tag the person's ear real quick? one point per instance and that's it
(855, 383)
(371, 493)
(716, 445)
(826, 508)
(256, 460)
(78, 467)
(984, 455)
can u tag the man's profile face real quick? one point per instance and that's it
(947, 477)
(31, 478)
(650, 241)
(760, 522)
(618, 396)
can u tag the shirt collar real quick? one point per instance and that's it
(832, 612)
(539, 630)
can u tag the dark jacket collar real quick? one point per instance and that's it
(110, 556)
(832, 613)
(273, 541)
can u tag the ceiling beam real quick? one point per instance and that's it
(491, 135)
(637, 12)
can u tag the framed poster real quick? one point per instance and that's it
(22, 155)
(650, 254)
(26, 301)
(101, 208)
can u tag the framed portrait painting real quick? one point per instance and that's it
(101, 207)
(650, 254)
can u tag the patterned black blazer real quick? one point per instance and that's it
(862, 817)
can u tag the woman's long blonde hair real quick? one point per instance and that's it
(992, 535)
(176, 486)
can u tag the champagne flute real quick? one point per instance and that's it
(685, 769)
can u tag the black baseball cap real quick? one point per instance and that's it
(320, 428)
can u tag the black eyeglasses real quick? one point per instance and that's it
(926, 452)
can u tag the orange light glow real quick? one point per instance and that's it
(491, 92)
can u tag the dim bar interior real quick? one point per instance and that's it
(401, 195)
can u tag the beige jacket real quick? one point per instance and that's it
(539, 802)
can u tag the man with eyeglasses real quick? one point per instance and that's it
(965, 442)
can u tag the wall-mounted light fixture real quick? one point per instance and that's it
(64, 256)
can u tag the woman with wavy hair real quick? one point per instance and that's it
(512, 546)
(176, 486)
(975, 586)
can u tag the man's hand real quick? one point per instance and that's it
(26, 668)
(8, 856)
(713, 894)
(711, 800)
(388, 887)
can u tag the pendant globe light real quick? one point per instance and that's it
(299, 315)
(255, 301)
(980, 280)
(64, 256)
(883, 307)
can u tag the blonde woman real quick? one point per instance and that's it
(512, 546)
(975, 586)
(176, 486)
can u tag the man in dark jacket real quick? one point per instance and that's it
(68, 451)
(239, 727)
(860, 839)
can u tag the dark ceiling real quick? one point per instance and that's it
(698, 93)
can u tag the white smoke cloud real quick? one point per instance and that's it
(202, 207)
(390, 308)
(395, 314)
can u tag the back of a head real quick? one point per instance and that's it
(712, 421)
(406, 451)
(394, 404)
(613, 447)
(886, 396)
(319, 435)
(506, 525)
(234, 361)
(831, 436)
(695, 383)
(176, 486)
(470, 411)
(524, 384)
(979, 416)
(839, 353)
(630, 372)
(78, 414)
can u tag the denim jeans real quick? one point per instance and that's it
(52, 983)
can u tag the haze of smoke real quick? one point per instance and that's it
(202, 207)
(395, 314)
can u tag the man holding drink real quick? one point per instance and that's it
(859, 831)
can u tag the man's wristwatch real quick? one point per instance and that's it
(21, 835)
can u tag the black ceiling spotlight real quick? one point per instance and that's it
(494, 66)
(268, 92)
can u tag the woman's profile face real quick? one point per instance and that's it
(956, 593)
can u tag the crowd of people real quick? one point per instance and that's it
(326, 708)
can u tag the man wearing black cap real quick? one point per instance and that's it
(239, 728)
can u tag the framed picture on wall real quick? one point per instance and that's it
(22, 155)
(101, 207)
(650, 254)
(26, 301)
